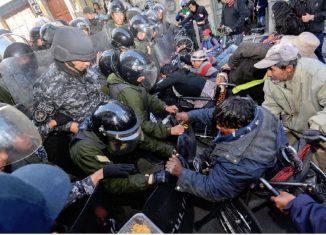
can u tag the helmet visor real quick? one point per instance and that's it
(19, 138)
(123, 145)
(150, 73)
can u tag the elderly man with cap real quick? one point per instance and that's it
(296, 93)
(202, 66)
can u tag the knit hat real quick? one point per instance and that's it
(306, 42)
(31, 198)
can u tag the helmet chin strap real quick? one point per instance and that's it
(72, 66)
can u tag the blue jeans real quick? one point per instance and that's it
(260, 21)
(318, 51)
(223, 58)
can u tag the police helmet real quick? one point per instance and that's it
(108, 62)
(81, 23)
(17, 49)
(134, 64)
(140, 23)
(116, 6)
(47, 32)
(122, 38)
(117, 126)
(71, 44)
(34, 33)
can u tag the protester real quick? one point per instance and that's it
(307, 215)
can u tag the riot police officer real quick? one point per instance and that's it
(66, 94)
(82, 24)
(117, 13)
(134, 72)
(47, 32)
(35, 38)
(122, 39)
(113, 136)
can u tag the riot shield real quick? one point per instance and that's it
(19, 138)
(101, 40)
(164, 47)
(7, 39)
(18, 75)
(171, 10)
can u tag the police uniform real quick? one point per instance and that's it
(57, 91)
(90, 155)
(135, 98)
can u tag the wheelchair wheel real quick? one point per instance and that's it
(180, 33)
(236, 217)
(186, 43)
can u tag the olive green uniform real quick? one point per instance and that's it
(133, 96)
(90, 157)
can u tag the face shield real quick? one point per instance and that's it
(148, 30)
(19, 138)
(7, 39)
(150, 73)
(121, 143)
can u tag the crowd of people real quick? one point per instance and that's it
(84, 101)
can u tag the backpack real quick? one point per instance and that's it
(286, 22)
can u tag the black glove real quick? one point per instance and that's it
(312, 136)
(118, 170)
(61, 119)
(161, 177)
(292, 155)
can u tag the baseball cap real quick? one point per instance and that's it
(32, 197)
(278, 53)
(88, 9)
(206, 32)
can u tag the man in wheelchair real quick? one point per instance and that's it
(245, 148)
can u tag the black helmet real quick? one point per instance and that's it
(81, 23)
(122, 38)
(134, 64)
(34, 33)
(116, 6)
(47, 32)
(17, 49)
(108, 62)
(117, 126)
(140, 23)
(61, 21)
(133, 11)
(70, 44)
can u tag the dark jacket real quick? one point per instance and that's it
(237, 163)
(188, 84)
(234, 16)
(242, 62)
(200, 15)
(312, 7)
(262, 10)
(307, 215)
